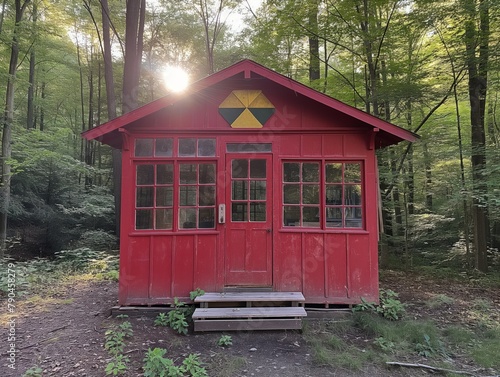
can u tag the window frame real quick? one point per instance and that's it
(323, 162)
(176, 161)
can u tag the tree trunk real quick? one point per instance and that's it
(478, 69)
(134, 33)
(7, 120)
(42, 111)
(2, 15)
(428, 177)
(314, 61)
(30, 121)
(111, 106)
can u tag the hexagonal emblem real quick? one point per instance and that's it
(246, 109)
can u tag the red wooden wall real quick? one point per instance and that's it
(333, 266)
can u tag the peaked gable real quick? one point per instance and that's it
(387, 133)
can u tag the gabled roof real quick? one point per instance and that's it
(249, 69)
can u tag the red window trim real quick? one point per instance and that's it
(322, 192)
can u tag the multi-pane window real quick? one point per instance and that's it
(154, 196)
(248, 190)
(168, 173)
(307, 186)
(343, 195)
(301, 201)
(196, 195)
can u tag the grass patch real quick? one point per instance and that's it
(224, 365)
(485, 353)
(439, 300)
(331, 346)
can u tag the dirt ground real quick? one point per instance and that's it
(64, 335)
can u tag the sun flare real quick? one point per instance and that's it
(175, 78)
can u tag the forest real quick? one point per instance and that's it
(431, 67)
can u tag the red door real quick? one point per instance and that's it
(249, 220)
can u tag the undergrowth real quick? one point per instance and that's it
(39, 274)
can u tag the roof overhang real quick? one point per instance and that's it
(387, 133)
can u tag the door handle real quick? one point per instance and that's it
(269, 230)
(222, 213)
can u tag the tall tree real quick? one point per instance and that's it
(477, 56)
(7, 121)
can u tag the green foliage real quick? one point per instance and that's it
(390, 306)
(196, 293)
(117, 366)
(178, 317)
(425, 348)
(192, 366)
(384, 344)
(225, 341)
(33, 372)
(157, 365)
(161, 320)
(115, 338)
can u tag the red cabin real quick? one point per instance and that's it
(248, 179)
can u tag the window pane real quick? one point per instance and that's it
(257, 190)
(145, 174)
(352, 173)
(291, 194)
(239, 168)
(206, 218)
(257, 168)
(164, 218)
(310, 194)
(206, 147)
(187, 218)
(187, 173)
(291, 172)
(257, 212)
(333, 173)
(165, 174)
(187, 147)
(164, 147)
(239, 212)
(144, 147)
(310, 172)
(334, 194)
(352, 195)
(207, 173)
(164, 196)
(239, 190)
(145, 197)
(291, 216)
(249, 147)
(144, 219)
(187, 196)
(310, 217)
(353, 218)
(334, 217)
(207, 196)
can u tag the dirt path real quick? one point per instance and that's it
(64, 335)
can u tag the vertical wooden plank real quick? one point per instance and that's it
(314, 268)
(356, 145)
(288, 262)
(289, 146)
(183, 265)
(161, 268)
(333, 145)
(336, 265)
(363, 282)
(134, 276)
(311, 145)
(205, 262)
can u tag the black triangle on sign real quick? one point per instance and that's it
(230, 115)
(262, 115)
